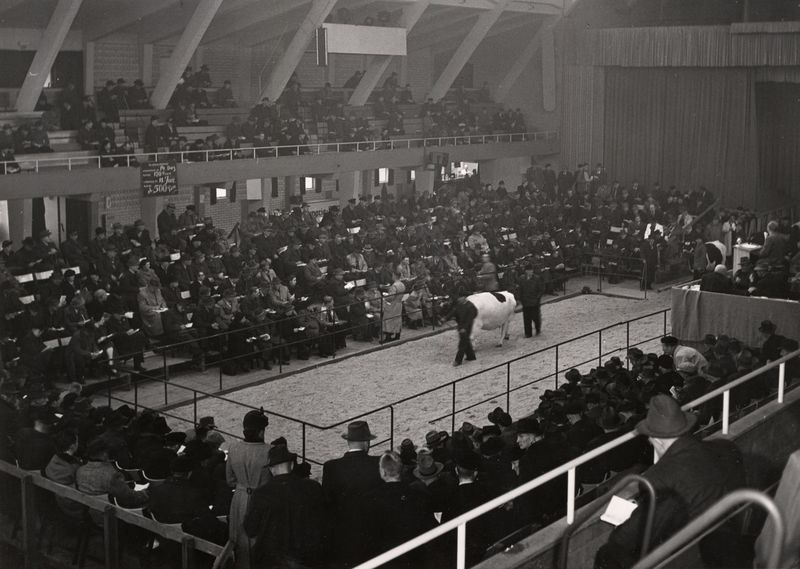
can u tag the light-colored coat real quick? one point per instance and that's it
(492, 313)
(149, 302)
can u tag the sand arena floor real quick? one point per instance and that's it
(358, 385)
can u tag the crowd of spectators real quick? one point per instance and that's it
(366, 504)
(308, 280)
(772, 271)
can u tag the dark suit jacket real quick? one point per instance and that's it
(177, 501)
(345, 483)
(482, 532)
(396, 514)
(689, 478)
(287, 518)
(716, 282)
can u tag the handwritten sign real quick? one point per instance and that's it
(159, 179)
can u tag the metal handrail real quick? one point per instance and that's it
(567, 468)
(591, 509)
(701, 525)
(250, 153)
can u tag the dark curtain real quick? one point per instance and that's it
(778, 110)
(683, 126)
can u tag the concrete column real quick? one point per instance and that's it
(380, 63)
(52, 40)
(351, 185)
(88, 68)
(182, 54)
(20, 220)
(519, 64)
(55, 216)
(151, 207)
(424, 180)
(4, 229)
(147, 64)
(291, 57)
(291, 189)
(466, 49)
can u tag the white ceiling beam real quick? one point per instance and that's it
(290, 58)
(465, 50)
(379, 64)
(544, 7)
(183, 52)
(109, 21)
(52, 40)
(237, 20)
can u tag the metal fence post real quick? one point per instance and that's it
(665, 323)
(453, 413)
(556, 374)
(304, 441)
(781, 381)
(110, 537)
(508, 388)
(600, 347)
(627, 342)
(187, 552)
(194, 405)
(29, 521)
(570, 496)
(461, 544)
(391, 426)
(726, 410)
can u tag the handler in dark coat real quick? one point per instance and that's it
(286, 517)
(688, 478)
(464, 313)
(345, 483)
(530, 296)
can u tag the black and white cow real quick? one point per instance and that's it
(486, 311)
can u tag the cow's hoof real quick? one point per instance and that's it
(507, 338)
(456, 364)
(499, 344)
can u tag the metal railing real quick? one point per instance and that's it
(569, 468)
(448, 390)
(258, 153)
(707, 521)
(611, 268)
(111, 514)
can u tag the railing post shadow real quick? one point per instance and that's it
(391, 426)
(453, 413)
(187, 552)
(304, 441)
(508, 388)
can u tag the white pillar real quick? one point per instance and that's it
(380, 63)
(294, 53)
(88, 68)
(466, 49)
(514, 72)
(182, 54)
(52, 40)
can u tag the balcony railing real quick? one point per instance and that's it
(259, 153)
(569, 468)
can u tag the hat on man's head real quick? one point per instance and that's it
(433, 438)
(744, 261)
(207, 422)
(7, 243)
(280, 454)
(609, 419)
(767, 326)
(427, 467)
(255, 420)
(492, 446)
(160, 426)
(499, 417)
(665, 361)
(358, 431)
(665, 419)
(710, 339)
(529, 426)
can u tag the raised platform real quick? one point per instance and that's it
(696, 313)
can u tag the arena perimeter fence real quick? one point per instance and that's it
(492, 385)
(267, 152)
(698, 526)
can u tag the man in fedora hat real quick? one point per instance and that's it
(286, 517)
(345, 482)
(689, 476)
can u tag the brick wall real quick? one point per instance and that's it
(116, 59)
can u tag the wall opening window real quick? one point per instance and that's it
(383, 175)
